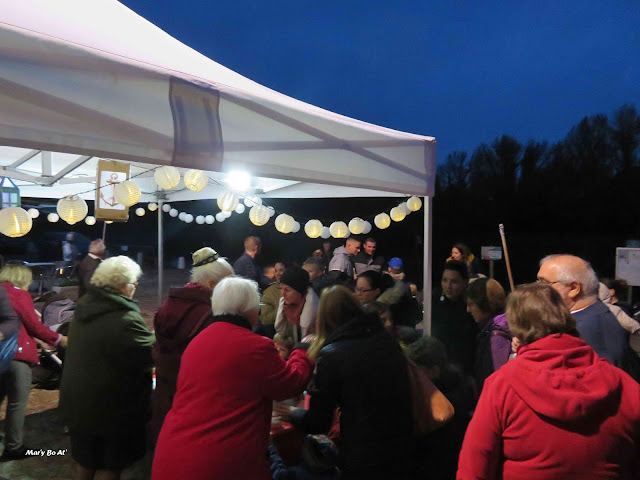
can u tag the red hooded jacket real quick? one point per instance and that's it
(556, 411)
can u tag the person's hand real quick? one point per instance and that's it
(515, 344)
(309, 338)
(282, 410)
(63, 342)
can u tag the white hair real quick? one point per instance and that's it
(579, 270)
(215, 270)
(115, 272)
(235, 296)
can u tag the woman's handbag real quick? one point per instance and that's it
(8, 349)
(431, 409)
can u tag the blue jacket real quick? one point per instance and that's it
(600, 329)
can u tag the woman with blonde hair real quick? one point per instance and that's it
(184, 314)
(106, 381)
(362, 371)
(16, 383)
(558, 410)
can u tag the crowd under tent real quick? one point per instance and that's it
(82, 81)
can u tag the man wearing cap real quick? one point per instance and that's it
(298, 305)
(367, 259)
(403, 306)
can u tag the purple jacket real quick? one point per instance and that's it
(500, 345)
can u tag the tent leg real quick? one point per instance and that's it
(160, 252)
(426, 274)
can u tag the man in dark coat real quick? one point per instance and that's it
(246, 266)
(88, 265)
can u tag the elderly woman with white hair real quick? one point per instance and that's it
(219, 424)
(184, 314)
(106, 382)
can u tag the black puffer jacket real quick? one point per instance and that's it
(363, 371)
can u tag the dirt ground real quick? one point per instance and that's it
(44, 428)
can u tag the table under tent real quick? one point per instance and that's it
(82, 81)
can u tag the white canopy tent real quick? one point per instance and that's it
(93, 79)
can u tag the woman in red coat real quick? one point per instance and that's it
(219, 424)
(16, 383)
(184, 314)
(557, 410)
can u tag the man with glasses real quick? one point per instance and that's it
(576, 282)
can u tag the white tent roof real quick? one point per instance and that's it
(94, 79)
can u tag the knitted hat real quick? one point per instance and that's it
(297, 278)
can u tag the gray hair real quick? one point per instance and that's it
(235, 296)
(115, 272)
(578, 270)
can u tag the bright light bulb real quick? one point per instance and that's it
(239, 180)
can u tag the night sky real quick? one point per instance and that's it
(465, 72)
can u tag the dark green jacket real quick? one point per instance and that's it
(106, 379)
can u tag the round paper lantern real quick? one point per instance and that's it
(166, 208)
(200, 219)
(338, 229)
(313, 228)
(195, 180)
(220, 217)
(90, 220)
(209, 219)
(326, 233)
(382, 221)
(152, 207)
(53, 217)
(405, 207)
(296, 227)
(284, 223)
(226, 214)
(356, 226)
(72, 209)
(173, 213)
(252, 201)
(15, 222)
(167, 177)
(367, 227)
(188, 218)
(272, 211)
(33, 212)
(181, 216)
(259, 215)
(140, 212)
(397, 214)
(127, 193)
(414, 204)
(240, 208)
(348, 234)
(228, 201)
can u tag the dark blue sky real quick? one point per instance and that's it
(462, 71)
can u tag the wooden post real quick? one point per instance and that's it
(506, 256)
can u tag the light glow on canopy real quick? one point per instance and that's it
(239, 180)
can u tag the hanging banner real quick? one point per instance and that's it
(109, 174)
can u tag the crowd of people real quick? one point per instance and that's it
(543, 381)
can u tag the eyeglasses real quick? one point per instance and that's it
(135, 284)
(363, 290)
(544, 281)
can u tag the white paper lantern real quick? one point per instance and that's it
(284, 223)
(195, 180)
(259, 215)
(181, 216)
(220, 217)
(167, 177)
(33, 212)
(72, 209)
(166, 208)
(252, 201)
(173, 213)
(209, 219)
(296, 227)
(382, 221)
(127, 193)
(397, 214)
(326, 233)
(200, 219)
(367, 227)
(338, 229)
(228, 201)
(272, 211)
(188, 218)
(414, 204)
(53, 217)
(15, 222)
(240, 208)
(226, 214)
(90, 220)
(356, 226)
(313, 228)
(405, 207)
(152, 207)
(140, 211)
(348, 234)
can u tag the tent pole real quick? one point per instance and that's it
(160, 252)
(426, 274)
